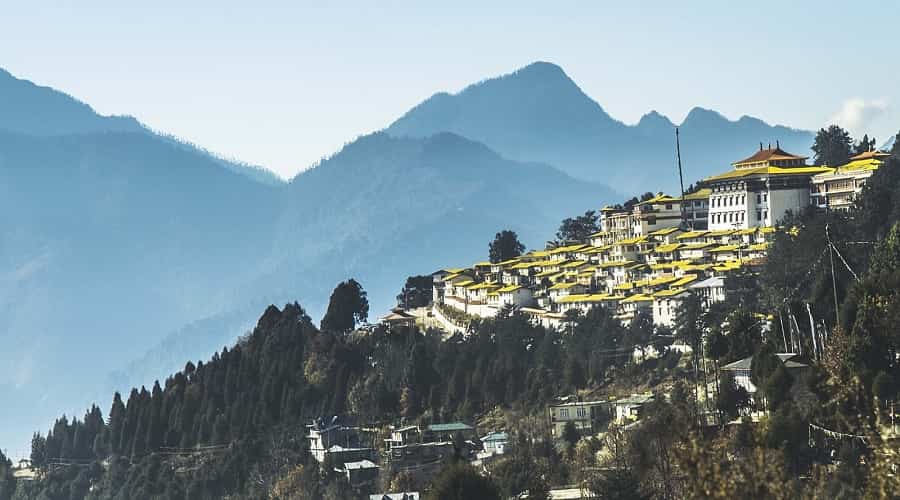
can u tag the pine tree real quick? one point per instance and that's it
(505, 246)
(347, 307)
(833, 146)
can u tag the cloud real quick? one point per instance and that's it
(856, 114)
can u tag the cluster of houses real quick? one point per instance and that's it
(651, 256)
(417, 452)
(591, 417)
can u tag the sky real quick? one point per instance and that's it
(284, 83)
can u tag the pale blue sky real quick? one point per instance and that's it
(283, 83)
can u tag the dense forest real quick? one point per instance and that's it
(234, 426)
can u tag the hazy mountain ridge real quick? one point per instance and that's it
(120, 240)
(538, 113)
(107, 249)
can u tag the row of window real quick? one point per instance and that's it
(729, 217)
(727, 201)
(581, 412)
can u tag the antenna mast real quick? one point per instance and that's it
(681, 180)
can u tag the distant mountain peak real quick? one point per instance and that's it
(700, 114)
(33, 109)
(542, 68)
(654, 119)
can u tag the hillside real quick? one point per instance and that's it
(538, 113)
(107, 229)
(234, 425)
(128, 251)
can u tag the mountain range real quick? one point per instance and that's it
(539, 114)
(124, 252)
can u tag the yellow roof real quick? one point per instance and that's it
(628, 285)
(563, 286)
(631, 241)
(638, 297)
(745, 232)
(585, 297)
(662, 280)
(690, 234)
(570, 248)
(544, 274)
(759, 246)
(484, 264)
(766, 229)
(454, 270)
(507, 262)
(764, 171)
(598, 233)
(720, 232)
(667, 248)
(614, 263)
(697, 267)
(485, 285)
(539, 253)
(699, 194)
(464, 283)
(660, 198)
(696, 246)
(726, 248)
(684, 280)
(664, 232)
(509, 288)
(671, 292)
(867, 164)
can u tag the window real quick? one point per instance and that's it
(742, 216)
(581, 412)
(758, 198)
(668, 206)
(759, 215)
(743, 199)
(765, 196)
(765, 214)
(564, 413)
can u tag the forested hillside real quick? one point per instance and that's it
(130, 251)
(233, 426)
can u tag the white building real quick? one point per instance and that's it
(760, 190)
(710, 290)
(742, 374)
(495, 443)
(629, 408)
(586, 416)
(838, 188)
(665, 306)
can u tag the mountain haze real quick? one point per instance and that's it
(124, 252)
(538, 113)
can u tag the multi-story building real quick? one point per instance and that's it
(696, 209)
(760, 190)
(588, 417)
(615, 224)
(336, 442)
(660, 212)
(837, 189)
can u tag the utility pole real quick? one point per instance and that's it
(837, 314)
(680, 179)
